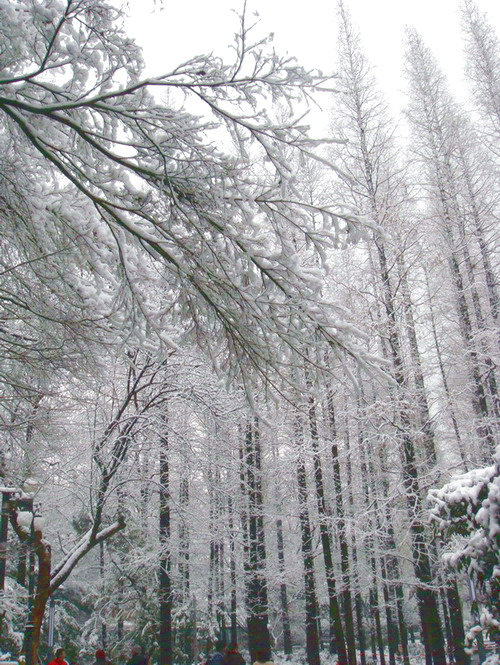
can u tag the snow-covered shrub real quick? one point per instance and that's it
(467, 512)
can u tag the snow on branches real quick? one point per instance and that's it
(467, 512)
(168, 224)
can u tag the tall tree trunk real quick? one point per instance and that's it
(358, 600)
(336, 629)
(428, 608)
(376, 627)
(447, 626)
(232, 572)
(482, 241)
(392, 634)
(216, 594)
(340, 523)
(165, 579)
(479, 395)
(104, 626)
(444, 378)
(434, 132)
(392, 563)
(257, 621)
(212, 598)
(403, 632)
(184, 544)
(490, 367)
(244, 519)
(220, 590)
(312, 609)
(183, 637)
(421, 393)
(460, 656)
(285, 616)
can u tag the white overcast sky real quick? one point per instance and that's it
(306, 29)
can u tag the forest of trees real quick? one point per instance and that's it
(250, 378)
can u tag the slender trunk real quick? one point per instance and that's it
(484, 249)
(194, 632)
(285, 616)
(421, 393)
(403, 632)
(257, 620)
(184, 553)
(336, 629)
(165, 580)
(244, 520)
(392, 636)
(183, 637)
(479, 397)
(212, 561)
(119, 622)
(220, 591)
(490, 366)
(444, 378)
(457, 623)
(447, 627)
(232, 572)
(312, 609)
(358, 600)
(340, 523)
(398, 632)
(427, 604)
(104, 627)
(376, 627)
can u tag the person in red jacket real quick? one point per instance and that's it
(232, 656)
(59, 659)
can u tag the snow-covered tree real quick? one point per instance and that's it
(466, 512)
(173, 226)
(482, 52)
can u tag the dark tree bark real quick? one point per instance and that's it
(403, 631)
(427, 603)
(257, 620)
(358, 600)
(456, 623)
(232, 572)
(397, 633)
(21, 564)
(392, 634)
(340, 523)
(418, 374)
(285, 616)
(184, 544)
(377, 641)
(447, 626)
(337, 637)
(104, 626)
(312, 609)
(165, 579)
